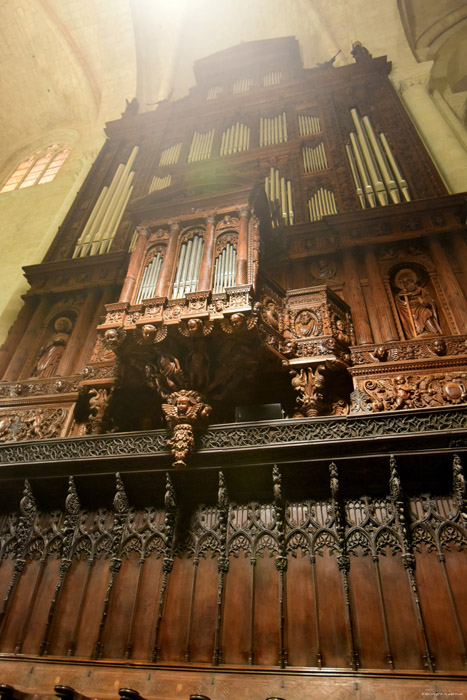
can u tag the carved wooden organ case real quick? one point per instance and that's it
(278, 236)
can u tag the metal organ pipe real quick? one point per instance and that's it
(395, 168)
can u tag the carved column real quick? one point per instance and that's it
(356, 300)
(207, 260)
(28, 341)
(68, 364)
(460, 251)
(162, 289)
(437, 134)
(16, 332)
(134, 267)
(242, 248)
(383, 313)
(449, 283)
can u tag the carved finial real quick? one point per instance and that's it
(334, 480)
(28, 502)
(169, 497)
(394, 480)
(277, 485)
(459, 487)
(72, 504)
(222, 495)
(120, 502)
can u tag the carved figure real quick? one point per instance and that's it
(270, 314)
(439, 347)
(113, 337)
(51, 354)
(148, 333)
(341, 332)
(184, 411)
(417, 309)
(306, 324)
(98, 402)
(323, 269)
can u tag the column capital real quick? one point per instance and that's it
(244, 212)
(143, 231)
(418, 77)
(210, 218)
(174, 226)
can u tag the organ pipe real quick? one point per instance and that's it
(308, 125)
(225, 268)
(375, 171)
(107, 212)
(187, 274)
(149, 280)
(272, 130)
(170, 156)
(314, 159)
(160, 183)
(279, 193)
(321, 203)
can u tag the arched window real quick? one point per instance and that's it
(38, 169)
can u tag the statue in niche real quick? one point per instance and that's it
(416, 307)
(51, 354)
(306, 324)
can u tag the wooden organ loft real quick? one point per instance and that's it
(232, 414)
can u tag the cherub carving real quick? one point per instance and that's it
(195, 327)
(184, 411)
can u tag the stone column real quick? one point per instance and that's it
(165, 276)
(134, 266)
(356, 300)
(205, 271)
(456, 299)
(383, 317)
(436, 132)
(242, 248)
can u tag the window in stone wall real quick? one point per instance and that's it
(38, 169)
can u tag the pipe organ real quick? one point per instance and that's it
(314, 159)
(214, 92)
(279, 193)
(376, 174)
(170, 156)
(271, 79)
(273, 130)
(189, 261)
(321, 203)
(243, 331)
(308, 124)
(242, 85)
(235, 139)
(148, 284)
(201, 146)
(106, 215)
(225, 267)
(159, 183)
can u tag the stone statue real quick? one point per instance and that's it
(51, 354)
(416, 308)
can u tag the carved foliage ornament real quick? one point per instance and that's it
(36, 424)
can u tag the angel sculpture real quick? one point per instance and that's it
(184, 411)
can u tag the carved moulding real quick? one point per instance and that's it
(416, 349)
(410, 391)
(33, 423)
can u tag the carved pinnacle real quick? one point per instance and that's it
(120, 502)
